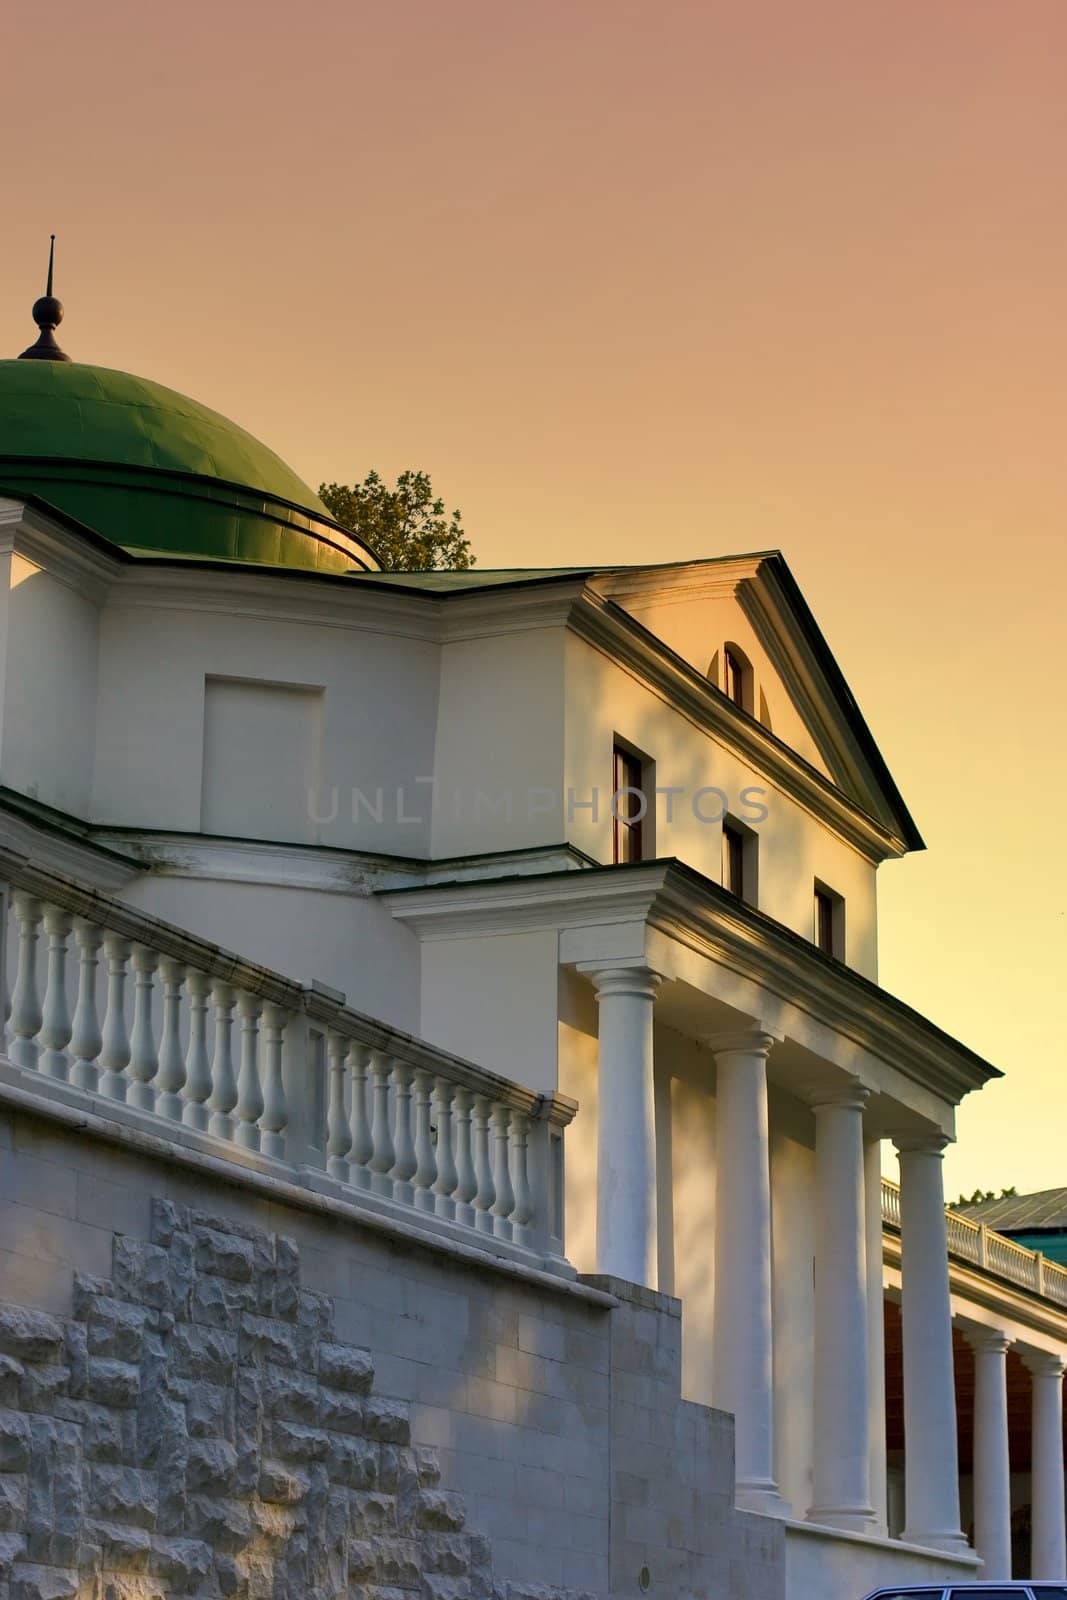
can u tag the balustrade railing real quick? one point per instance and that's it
(113, 1005)
(976, 1243)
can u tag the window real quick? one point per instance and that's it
(739, 860)
(628, 806)
(737, 679)
(733, 859)
(829, 922)
(1016, 1592)
(733, 677)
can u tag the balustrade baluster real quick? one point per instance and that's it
(504, 1204)
(249, 1091)
(444, 1188)
(485, 1197)
(170, 1078)
(115, 1050)
(404, 1160)
(85, 1039)
(381, 1162)
(25, 1002)
(223, 1081)
(275, 1118)
(55, 1025)
(426, 1163)
(144, 1062)
(362, 1147)
(338, 1130)
(523, 1212)
(466, 1175)
(197, 1064)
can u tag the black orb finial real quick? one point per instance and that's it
(48, 314)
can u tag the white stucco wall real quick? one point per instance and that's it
(578, 1077)
(699, 628)
(840, 1566)
(378, 708)
(50, 687)
(604, 703)
(498, 755)
(346, 941)
(493, 1000)
(792, 1158)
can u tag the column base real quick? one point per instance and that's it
(933, 1539)
(762, 1495)
(850, 1519)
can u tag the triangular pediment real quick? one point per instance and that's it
(752, 607)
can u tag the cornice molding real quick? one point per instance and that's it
(273, 597)
(700, 916)
(57, 849)
(27, 532)
(673, 585)
(763, 602)
(605, 626)
(363, 607)
(582, 601)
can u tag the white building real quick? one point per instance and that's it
(399, 790)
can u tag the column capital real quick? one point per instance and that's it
(1043, 1363)
(851, 1096)
(923, 1143)
(741, 1041)
(622, 977)
(986, 1341)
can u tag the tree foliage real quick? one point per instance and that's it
(980, 1195)
(406, 527)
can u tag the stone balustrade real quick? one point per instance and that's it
(974, 1242)
(137, 1015)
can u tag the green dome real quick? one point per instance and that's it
(159, 474)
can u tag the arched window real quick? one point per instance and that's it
(737, 677)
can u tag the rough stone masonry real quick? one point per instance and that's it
(194, 1428)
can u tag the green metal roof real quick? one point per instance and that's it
(151, 470)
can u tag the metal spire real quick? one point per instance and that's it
(48, 314)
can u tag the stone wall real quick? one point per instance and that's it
(218, 1389)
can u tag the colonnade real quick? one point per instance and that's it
(992, 1467)
(743, 1334)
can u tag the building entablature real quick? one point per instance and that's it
(724, 965)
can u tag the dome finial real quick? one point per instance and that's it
(48, 314)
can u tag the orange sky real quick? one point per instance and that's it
(645, 282)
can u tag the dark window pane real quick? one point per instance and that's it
(824, 921)
(911, 1594)
(733, 678)
(1018, 1593)
(733, 860)
(627, 809)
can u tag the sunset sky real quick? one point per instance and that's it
(642, 283)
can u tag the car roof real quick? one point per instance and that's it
(1023, 1586)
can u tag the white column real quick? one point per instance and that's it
(1048, 1549)
(627, 1243)
(872, 1158)
(743, 1350)
(931, 1465)
(842, 1495)
(992, 1471)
